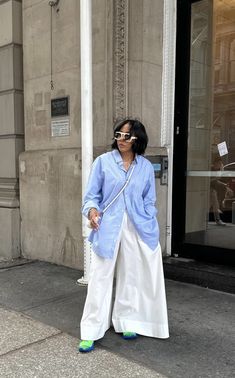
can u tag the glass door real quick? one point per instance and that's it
(205, 132)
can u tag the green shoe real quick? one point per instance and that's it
(86, 346)
(129, 335)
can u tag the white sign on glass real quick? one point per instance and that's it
(222, 148)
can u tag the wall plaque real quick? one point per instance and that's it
(60, 127)
(60, 107)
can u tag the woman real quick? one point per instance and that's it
(219, 190)
(125, 237)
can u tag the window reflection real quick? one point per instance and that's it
(210, 171)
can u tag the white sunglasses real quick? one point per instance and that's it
(118, 135)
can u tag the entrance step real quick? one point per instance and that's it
(218, 277)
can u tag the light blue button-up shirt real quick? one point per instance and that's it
(107, 177)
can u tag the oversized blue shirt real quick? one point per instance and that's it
(107, 177)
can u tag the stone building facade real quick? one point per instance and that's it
(127, 80)
(134, 53)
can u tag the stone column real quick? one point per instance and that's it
(11, 125)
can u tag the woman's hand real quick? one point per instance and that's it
(93, 217)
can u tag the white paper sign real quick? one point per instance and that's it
(222, 148)
(60, 127)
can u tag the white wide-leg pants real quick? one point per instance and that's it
(140, 301)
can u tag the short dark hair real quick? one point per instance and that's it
(136, 129)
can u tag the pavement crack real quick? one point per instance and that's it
(10, 352)
(58, 299)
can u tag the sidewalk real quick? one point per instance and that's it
(40, 310)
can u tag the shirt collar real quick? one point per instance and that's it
(118, 158)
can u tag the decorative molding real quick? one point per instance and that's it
(6, 1)
(11, 91)
(120, 58)
(11, 45)
(9, 193)
(12, 136)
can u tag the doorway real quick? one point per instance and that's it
(204, 136)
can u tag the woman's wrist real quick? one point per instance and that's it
(90, 210)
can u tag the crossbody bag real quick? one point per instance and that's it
(117, 195)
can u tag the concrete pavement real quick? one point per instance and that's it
(29, 348)
(40, 310)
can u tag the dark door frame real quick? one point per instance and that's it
(198, 252)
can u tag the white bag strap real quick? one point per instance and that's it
(123, 188)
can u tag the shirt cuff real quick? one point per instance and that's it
(88, 206)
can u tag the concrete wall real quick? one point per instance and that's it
(50, 168)
(145, 64)
(145, 53)
(50, 206)
(11, 125)
(37, 71)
